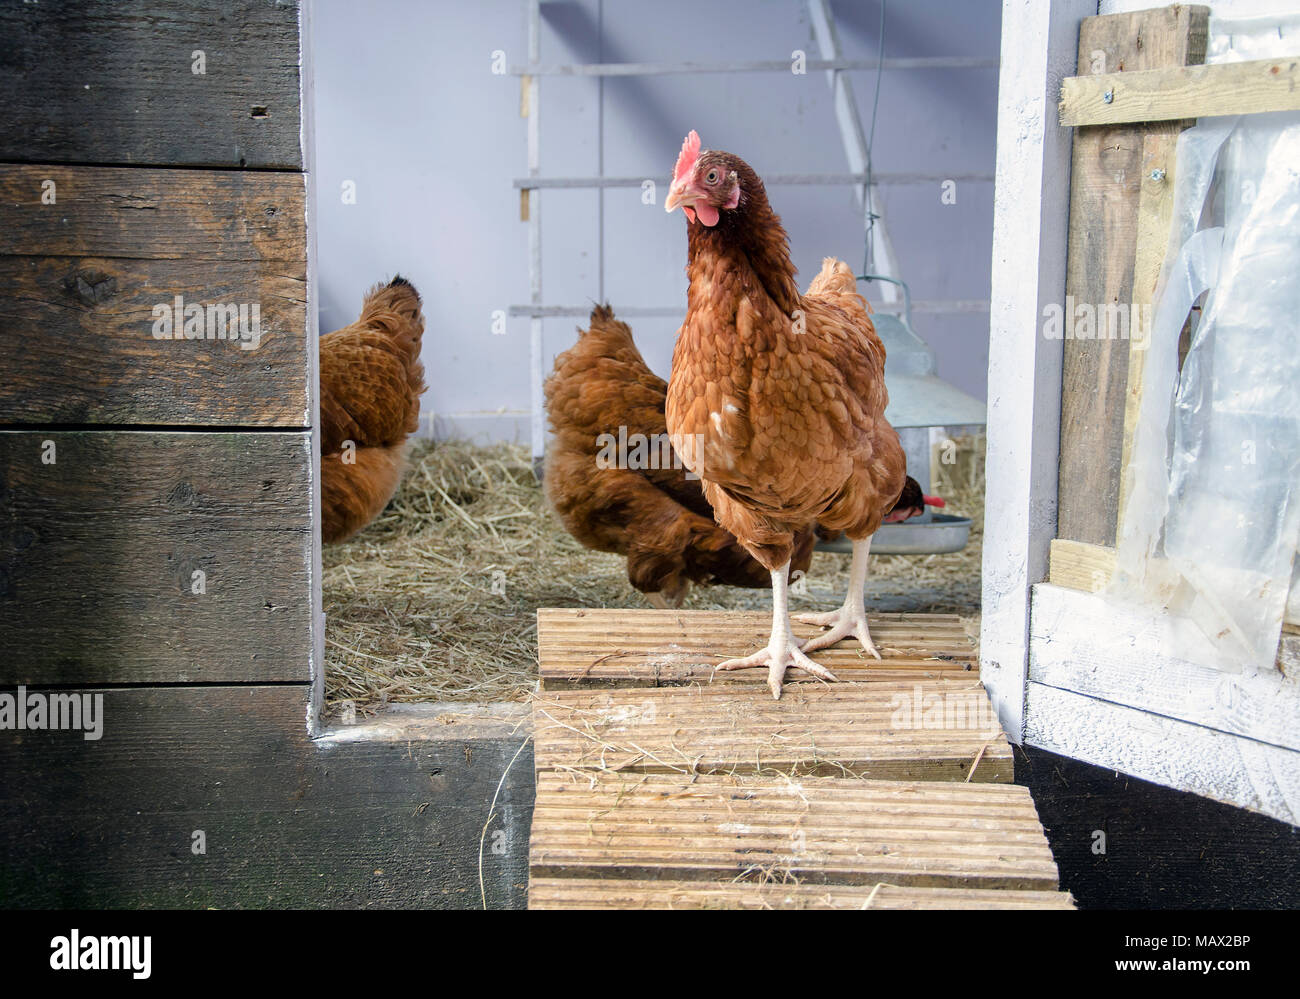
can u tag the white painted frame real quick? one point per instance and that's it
(1030, 232)
(307, 137)
(1067, 671)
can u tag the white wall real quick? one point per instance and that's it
(406, 106)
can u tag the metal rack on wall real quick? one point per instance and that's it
(856, 148)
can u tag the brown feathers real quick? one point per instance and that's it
(371, 379)
(656, 516)
(778, 398)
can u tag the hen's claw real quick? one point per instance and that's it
(778, 661)
(841, 624)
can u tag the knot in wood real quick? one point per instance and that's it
(91, 287)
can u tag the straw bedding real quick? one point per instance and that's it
(436, 600)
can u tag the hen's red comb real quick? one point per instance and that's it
(933, 501)
(687, 157)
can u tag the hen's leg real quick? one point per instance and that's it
(782, 651)
(850, 619)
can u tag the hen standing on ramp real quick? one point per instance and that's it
(777, 400)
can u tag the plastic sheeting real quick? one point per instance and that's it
(1212, 519)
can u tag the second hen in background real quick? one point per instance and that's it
(371, 380)
(648, 509)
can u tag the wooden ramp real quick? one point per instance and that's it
(660, 785)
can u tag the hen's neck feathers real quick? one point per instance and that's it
(751, 237)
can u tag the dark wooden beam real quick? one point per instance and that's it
(99, 550)
(91, 275)
(118, 83)
(288, 822)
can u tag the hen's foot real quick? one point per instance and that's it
(779, 657)
(842, 623)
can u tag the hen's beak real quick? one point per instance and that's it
(680, 194)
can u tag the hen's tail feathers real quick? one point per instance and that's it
(835, 278)
(602, 382)
(395, 309)
(371, 376)
(607, 333)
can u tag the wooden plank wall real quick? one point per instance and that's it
(157, 536)
(155, 492)
(155, 457)
(390, 813)
(1105, 185)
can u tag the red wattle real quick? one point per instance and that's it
(934, 501)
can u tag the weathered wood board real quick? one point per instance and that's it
(1254, 87)
(673, 648)
(617, 893)
(1154, 219)
(288, 822)
(100, 283)
(99, 550)
(660, 789)
(152, 214)
(172, 82)
(931, 730)
(594, 824)
(1105, 187)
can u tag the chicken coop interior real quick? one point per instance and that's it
(466, 627)
(547, 454)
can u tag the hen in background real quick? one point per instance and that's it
(601, 392)
(371, 380)
(777, 399)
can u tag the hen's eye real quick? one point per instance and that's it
(711, 177)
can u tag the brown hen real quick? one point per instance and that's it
(777, 399)
(371, 379)
(634, 498)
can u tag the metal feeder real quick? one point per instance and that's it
(918, 400)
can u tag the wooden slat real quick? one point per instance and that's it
(1155, 215)
(814, 829)
(152, 214)
(595, 893)
(1253, 87)
(288, 821)
(77, 325)
(1105, 186)
(931, 730)
(116, 83)
(98, 551)
(610, 648)
(1080, 566)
